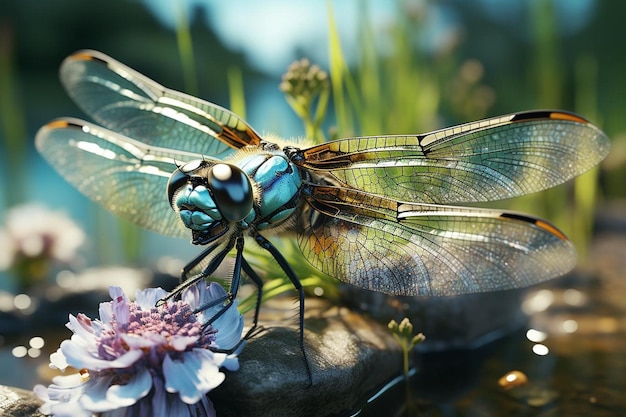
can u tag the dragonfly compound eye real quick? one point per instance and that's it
(181, 176)
(231, 190)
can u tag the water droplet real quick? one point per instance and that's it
(6, 301)
(539, 301)
(574, 297)
(513, 379)
(36, 342)
(19, 351)
(541, 350)
(569, 326)
(22, 301)
(65, 279)
(536, 336)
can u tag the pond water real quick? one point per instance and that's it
(577, 374)
(572, 356)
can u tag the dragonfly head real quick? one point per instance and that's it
(220, 190)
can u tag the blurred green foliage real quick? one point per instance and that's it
(485, 65)
(409, 89)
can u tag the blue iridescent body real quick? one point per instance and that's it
(279, 183)
(270, 195)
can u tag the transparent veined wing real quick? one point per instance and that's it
(126, 176)
(125, 101)
(488, 160)
(423, 249)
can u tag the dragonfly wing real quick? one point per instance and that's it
(487, 160)
(127, 177)
(129, 103)
(421, 249)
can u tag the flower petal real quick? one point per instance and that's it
(105, 312)
(41, 391)
(231, 362)
(81, 325)
(159, 398)
(179, 408)
(80, 358)
(95, 399)
(148, 298)
(67, 409)
(229, 325)
(193, 376)
(62, 395)
(119, 305)
(69, 381)
(207, 294)
(229, 328)
(191, 295)
(135, 341)
(116, 292)
(80, 331)
(58, 360)
(126, 395)
(181, 343)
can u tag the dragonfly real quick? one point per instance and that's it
(391, 214)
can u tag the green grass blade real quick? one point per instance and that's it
(236, 92)
(338, 71)
(185, 49)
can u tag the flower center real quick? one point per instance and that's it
(171, 320)
(174, 319)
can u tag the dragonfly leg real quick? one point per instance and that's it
(187, 280)
(234, 285)
(259, 285)
(255, 329)
(284, 265)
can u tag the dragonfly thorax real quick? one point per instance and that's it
(255, 189)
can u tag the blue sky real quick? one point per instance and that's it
(270, 32)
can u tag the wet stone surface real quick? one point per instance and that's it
(16, 402)
(350, 358)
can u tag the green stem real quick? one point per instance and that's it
(235, 89)
(12, 120)
(405, 358)
(185, 49)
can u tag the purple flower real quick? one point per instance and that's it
(142, 360)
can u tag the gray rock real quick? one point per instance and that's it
(350, 357)
(16, 402)
(460, 322)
